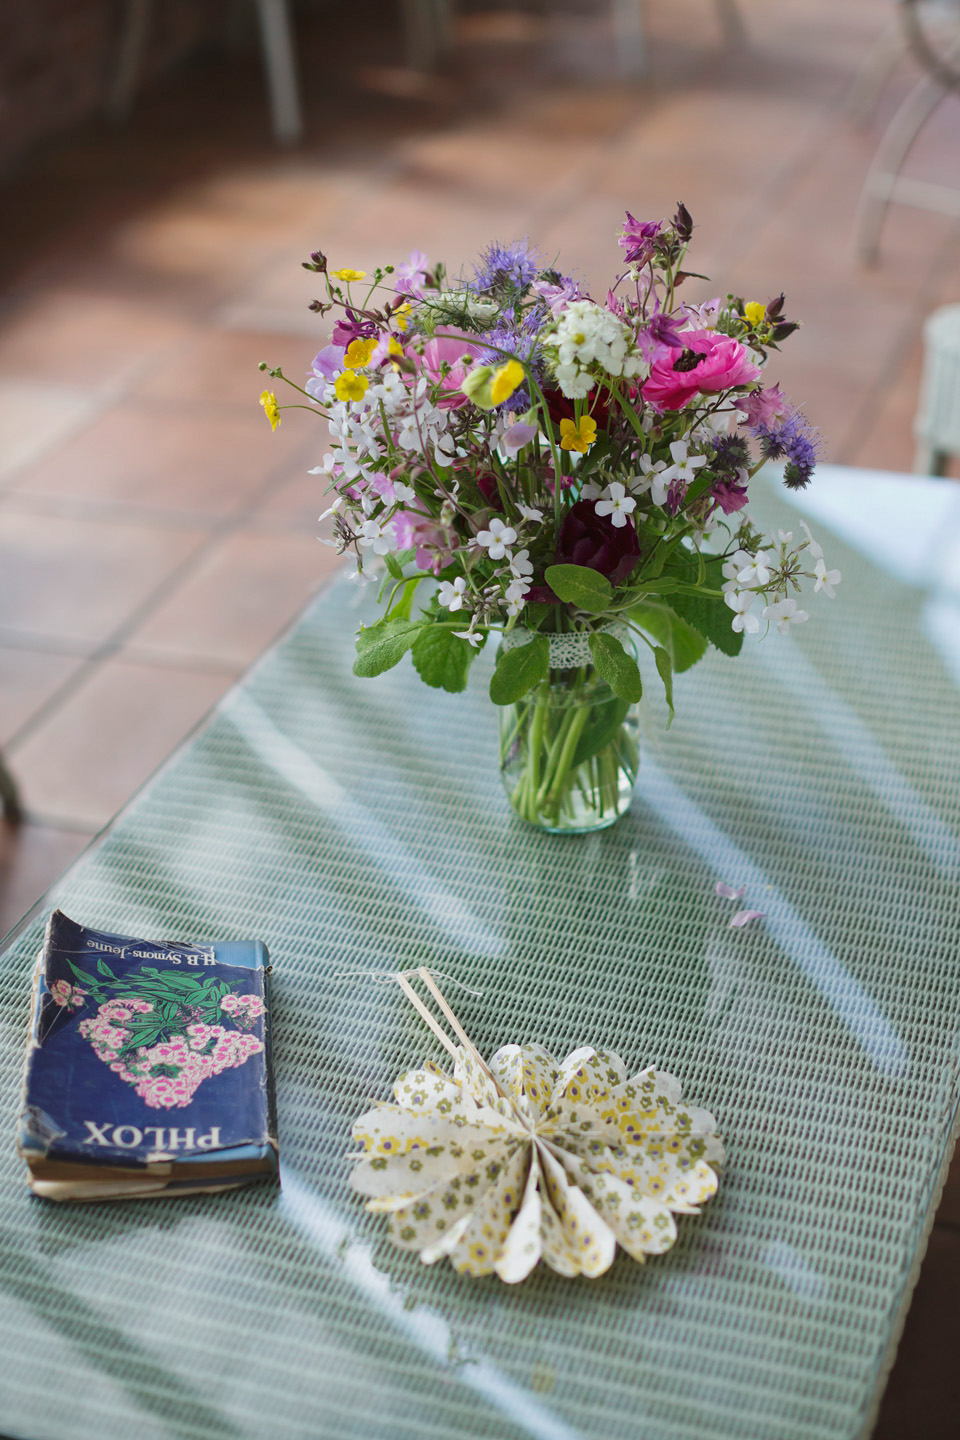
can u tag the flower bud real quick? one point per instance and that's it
(682, 222)
(478, 386)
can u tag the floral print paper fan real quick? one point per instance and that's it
(497, 1165)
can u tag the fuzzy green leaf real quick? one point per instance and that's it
(619, 669)
(579, 585)
(384, 645)
(665, 669)
(711, 618)
(442, 659)
(684, 645)
(519, 670)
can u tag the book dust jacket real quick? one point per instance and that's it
(148, 1066)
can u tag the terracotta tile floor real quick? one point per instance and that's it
(154, 536)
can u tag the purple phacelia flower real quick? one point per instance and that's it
(505, 267)
(795, 442)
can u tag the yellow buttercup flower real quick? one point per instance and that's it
(505, 381)
(351, 386)
(358, 353)
(270, 408)
(578, 437)
(348, 274)
(394, 347)
(755, 311)
(401, 317)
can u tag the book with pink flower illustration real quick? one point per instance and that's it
(148, 1066)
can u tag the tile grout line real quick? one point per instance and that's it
(128, 627)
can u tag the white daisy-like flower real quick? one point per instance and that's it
(496, 539)
(514, 596)
(499, 1165)
(616, 503)
(739, 602)
(451, 593)
(758, 569)
(826, 579)
(521, 566)
(470, 636)
(380, 538)
(786, 614)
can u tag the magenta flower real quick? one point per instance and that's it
(709, 363)
(729, 494)
(587, 538)
(638, 238)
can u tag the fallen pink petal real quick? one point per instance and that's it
(727, 892)
(743, 917)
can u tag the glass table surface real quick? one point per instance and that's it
(359, 825)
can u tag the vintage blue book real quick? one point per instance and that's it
(148, 1067)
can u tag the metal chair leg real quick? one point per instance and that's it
(278, 56)
(122, 84)
(9, 796)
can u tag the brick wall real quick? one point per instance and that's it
(56, 57)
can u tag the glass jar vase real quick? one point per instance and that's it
(569, 749)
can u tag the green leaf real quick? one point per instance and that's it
(85, 976)
(441, 658)
(684, 645)
(384, 645)
(711, 618)
(619, 669)
(104, 969)
(401, 608)
(519, 670)
(579, 585)
(665, 669)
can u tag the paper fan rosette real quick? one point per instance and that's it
(498, 1164)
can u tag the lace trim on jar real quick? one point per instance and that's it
(570, 651)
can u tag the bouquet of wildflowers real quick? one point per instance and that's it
(510, 455)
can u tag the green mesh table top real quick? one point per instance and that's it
(359, 825)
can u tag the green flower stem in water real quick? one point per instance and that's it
(569, 753)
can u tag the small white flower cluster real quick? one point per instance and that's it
(496, 540)
(589, 336)
(766, 574)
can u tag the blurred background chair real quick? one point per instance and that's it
(427, 28)
(279, 57)
(630, 32)
(937, 426)
(930, 31)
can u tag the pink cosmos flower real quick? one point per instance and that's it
(723, 366)
(434, 545)
(450, 350)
